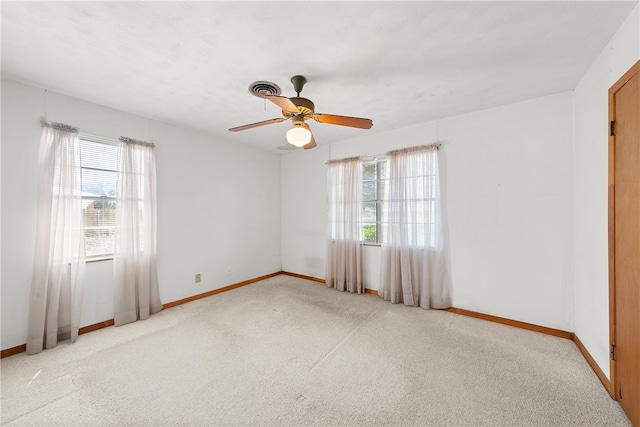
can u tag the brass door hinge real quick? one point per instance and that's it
(612, 128)
(613, 352)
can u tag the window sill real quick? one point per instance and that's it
(371, 244)
(99, 259)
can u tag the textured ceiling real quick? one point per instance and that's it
(398, 63)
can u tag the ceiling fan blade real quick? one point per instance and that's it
(283, 102)
(255, 125)
(354, 122)
(311, 144)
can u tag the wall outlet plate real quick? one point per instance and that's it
(198, 278)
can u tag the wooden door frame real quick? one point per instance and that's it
(613, 380)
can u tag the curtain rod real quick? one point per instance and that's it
(375, 156)
(134, 141)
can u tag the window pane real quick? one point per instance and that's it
(369, 171)
(98, 242)
(97, 183)
(99, 225)
(382, 189)
(369, 191)
(97, 155)
(369, 212)
(421, 213)
(383, 169)
(370, 233)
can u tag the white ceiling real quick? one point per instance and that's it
(398, 63)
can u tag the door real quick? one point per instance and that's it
(624, 171)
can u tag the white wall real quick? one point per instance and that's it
(304, 211)
(510, 210)
(590, 220)
(509, 173)
(218, 205)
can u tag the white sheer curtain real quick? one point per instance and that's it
(344, 236)
(135, 274)
(57, 283)
(415, 266)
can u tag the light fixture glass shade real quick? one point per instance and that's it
(298, 136)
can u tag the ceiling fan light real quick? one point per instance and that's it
(298, 136)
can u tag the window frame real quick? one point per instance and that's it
(106, 141)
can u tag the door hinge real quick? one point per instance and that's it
(613, 352)
(612, 128)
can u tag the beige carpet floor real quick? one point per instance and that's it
(287, 351)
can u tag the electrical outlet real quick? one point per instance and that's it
(198, 278)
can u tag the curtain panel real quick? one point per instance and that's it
(55, 303)
(415, 263)
(137, 293)
(344, 235)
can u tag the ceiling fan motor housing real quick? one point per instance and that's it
(304, 105)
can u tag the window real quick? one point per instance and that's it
(374, 186)
(99, 164)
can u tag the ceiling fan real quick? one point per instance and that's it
(298, 110)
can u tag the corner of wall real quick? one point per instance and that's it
(590, 190)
